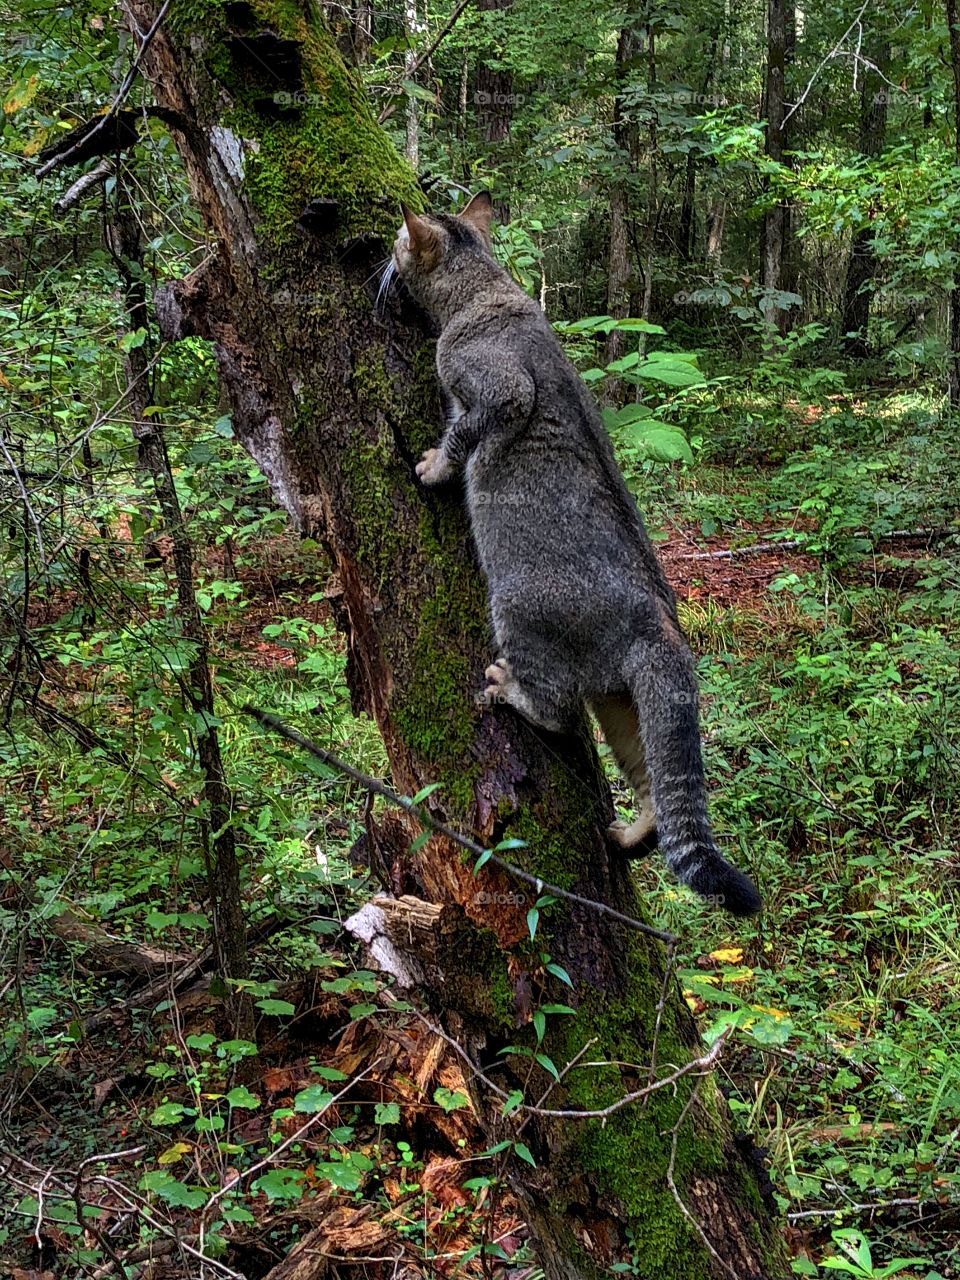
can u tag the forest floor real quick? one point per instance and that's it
(830, 672)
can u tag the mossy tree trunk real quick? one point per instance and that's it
(336, 406)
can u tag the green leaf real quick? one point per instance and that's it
(276, 1008)
(169, 1189)
(312, 1099)
(512, 1102)
(329, 1073)
(346, 1176)
(415, 90)
(135, 338)
(450, 1099)
(523, 1151)
(169, 1113)
(547, 1064)
(386, 1113)
(240, 1096)
(281, 1184)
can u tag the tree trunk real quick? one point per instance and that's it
(775, 248)
(686, 229)
(862, 264)
(217, 836)
(953, 359)
(619, 271)
(493, 97)
(336, 406)
(412, 28)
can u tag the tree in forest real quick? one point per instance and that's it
(300, 190)
(775, 238)
(862, 264)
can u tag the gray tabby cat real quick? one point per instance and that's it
(581, 610)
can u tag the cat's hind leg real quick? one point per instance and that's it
(620, 723)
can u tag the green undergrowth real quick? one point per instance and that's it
(831, 697)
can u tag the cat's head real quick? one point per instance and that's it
(440, 256)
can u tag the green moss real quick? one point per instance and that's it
(316, 139)
(626, 1157)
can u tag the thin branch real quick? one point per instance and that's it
(93, 178)
(832, 54)
(792, 544)
(700, 1065)
(288, 1142)
(427, 54)
(276, 725)
(114, 107)
(904, 1202)
(673, 1186)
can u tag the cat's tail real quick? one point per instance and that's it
(661, 678)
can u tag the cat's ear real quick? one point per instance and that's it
(422, 235)
(478, 213)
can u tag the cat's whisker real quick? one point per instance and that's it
(377, 271)
(383, 292)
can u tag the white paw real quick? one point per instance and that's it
(499, 675)
(433, 467)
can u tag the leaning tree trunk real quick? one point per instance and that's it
(300, 190)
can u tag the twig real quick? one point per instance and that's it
(114, 107)
(411, 71)
(373, 785)
(912, 1201)
(26, 498)
(702, 1064)
(125, 1194)
(791, 544)
(673, 1186)
(661, 1005)
(75, 193)
(288, 1142)
(832, 54)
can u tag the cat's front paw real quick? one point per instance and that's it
(434, 467)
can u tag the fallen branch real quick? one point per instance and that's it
(112, 954)
(86, 182)
(424, 816)
(794, 544)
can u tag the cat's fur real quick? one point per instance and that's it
(581, 610)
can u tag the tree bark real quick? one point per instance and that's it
(862, 264)
(619, 269)
(493, 96)
(775, 247)
(336, 406)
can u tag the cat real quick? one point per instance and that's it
(581, 610)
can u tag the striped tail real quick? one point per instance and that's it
(670, 766)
